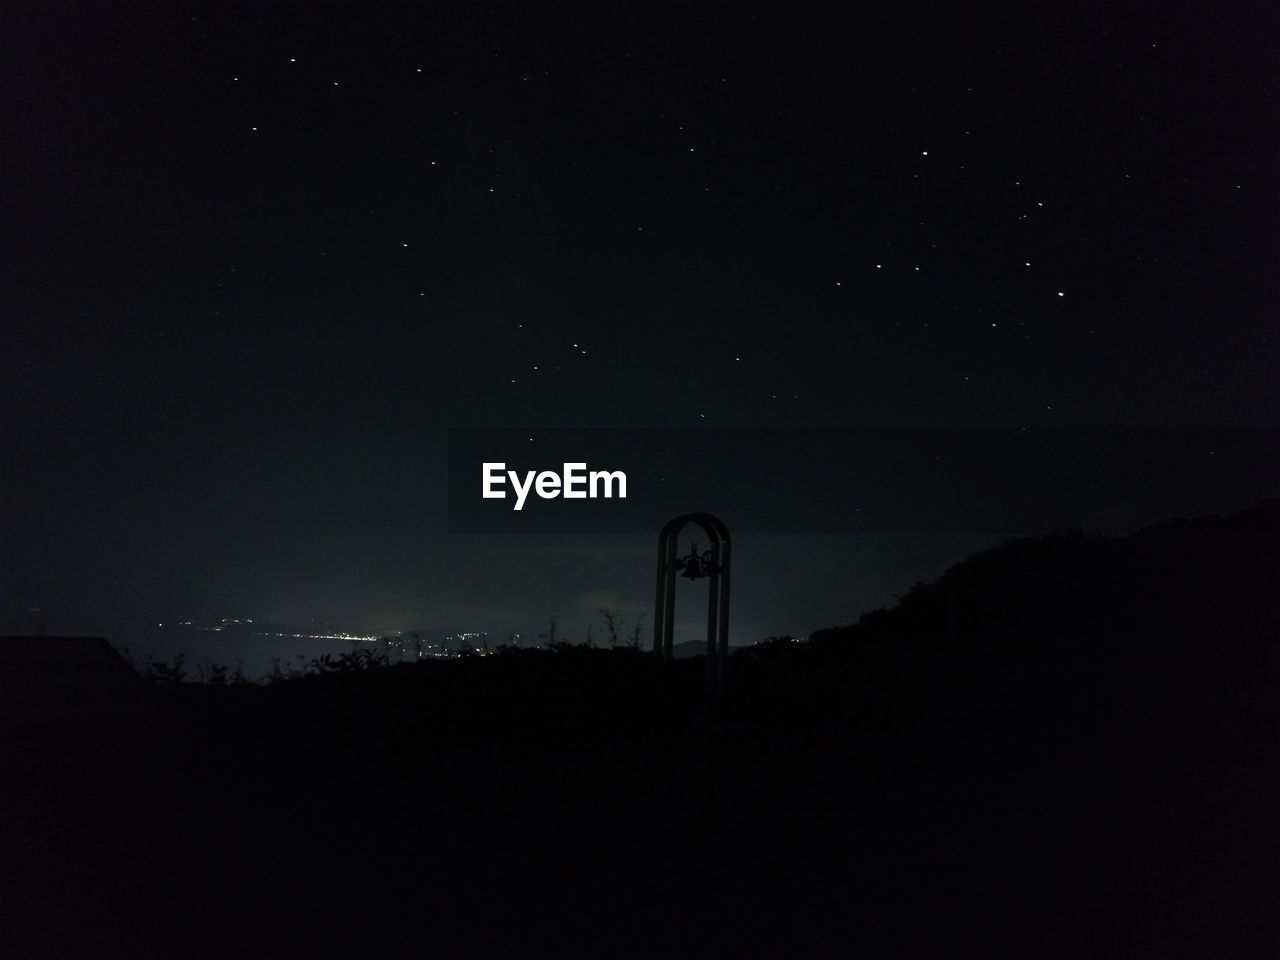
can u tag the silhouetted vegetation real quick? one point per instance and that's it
(1062, 747)
(350, 661)
(615, 625)
(155, 670)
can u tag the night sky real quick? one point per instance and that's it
(259, 257)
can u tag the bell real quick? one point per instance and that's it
(694, 566)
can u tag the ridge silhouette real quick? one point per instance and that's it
(1064, 746)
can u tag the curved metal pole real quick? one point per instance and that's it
(664, 609)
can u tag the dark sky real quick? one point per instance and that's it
(258, 258)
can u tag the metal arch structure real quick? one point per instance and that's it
(717, 571)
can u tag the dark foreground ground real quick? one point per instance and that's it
(1064, 748)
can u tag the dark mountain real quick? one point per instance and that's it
(1201, 593)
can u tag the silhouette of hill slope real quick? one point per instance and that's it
(1065, 746)
(1166, 591)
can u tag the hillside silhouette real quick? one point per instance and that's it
(1065, 746)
